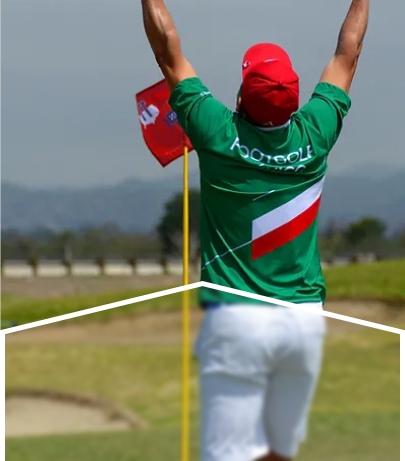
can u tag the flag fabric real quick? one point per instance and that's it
(161, 130)
(283, 224)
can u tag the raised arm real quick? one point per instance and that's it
(165, 42)
(341, 69)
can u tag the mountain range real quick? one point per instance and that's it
(137, 204)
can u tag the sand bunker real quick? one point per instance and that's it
(30, 413)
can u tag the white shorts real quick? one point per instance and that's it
(259, 368)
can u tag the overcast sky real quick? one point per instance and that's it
(70, 69)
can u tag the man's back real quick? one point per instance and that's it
(260, 193)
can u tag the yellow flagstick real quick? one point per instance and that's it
(185, 436)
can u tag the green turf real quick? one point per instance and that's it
(355, 415)
(23, 310)
(145, 379)
(378, 281)
(370, 437)
(156, 444)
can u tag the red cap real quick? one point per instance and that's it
(270, 88)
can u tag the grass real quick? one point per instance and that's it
(156, 444)
(382, 281)
(355, 415)
(341, 438)
(145, 379)
(23, 310)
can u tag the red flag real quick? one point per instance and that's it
(160, 128)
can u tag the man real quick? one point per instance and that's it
(262, 173)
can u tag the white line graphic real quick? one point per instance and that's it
(264, 195)
(192, 286)
(224, 254)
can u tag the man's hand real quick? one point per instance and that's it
(165, 42)
(342, 68)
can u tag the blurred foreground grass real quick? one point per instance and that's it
(382, 281)
(355, 416)
(24, 310)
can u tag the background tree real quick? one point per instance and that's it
(133, 262)
(400, 238)
(33, 262)
(66, 241)
(367, 233)
(170, 227)
(29, 249)
(330, 241)
(94, 243)
(79, 244)
(101, 263)
(164, 263)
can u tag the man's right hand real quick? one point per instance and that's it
(341, 69)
